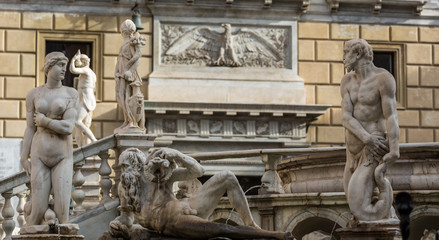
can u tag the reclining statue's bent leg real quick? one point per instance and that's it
(207, 197)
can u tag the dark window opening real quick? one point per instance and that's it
(385, 60)
(69, 49)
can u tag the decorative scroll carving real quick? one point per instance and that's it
(209, 46)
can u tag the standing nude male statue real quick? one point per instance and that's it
(372, 132)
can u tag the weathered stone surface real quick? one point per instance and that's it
(14, 128)
(313, 30)
(10, 19)
(375, 32)
(48, 237)
(10, 109)
(70, 22)
(371, 231)
(429, 34)
(314, 72)
(404, 33)
(419, 98)
(21, 40)
(10, 63)
(408, 118)
(327, 134)
(27, 66)
(111, 40)
(419, 53)
(37, 20)
(306, 50)
(64, 229)
(12, 89)
(419, 135)
(345, 31)
(329, 94)
(329, 50)
(413, 75)
(102, 23)
(317, 235)
(337, 72)
(429, 76)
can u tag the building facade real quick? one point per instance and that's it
(279, 89)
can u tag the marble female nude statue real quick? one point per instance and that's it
(372, 132)
(128, 81)
(146, 195)
(80, 64)
(50, 116)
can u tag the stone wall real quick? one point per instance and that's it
(320, 65)
(20, 70)
(320, 54)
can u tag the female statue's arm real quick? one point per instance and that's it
(28, 133)
(63, 126)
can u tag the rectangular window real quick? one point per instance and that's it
(69, 49)
(67, 43)
(389, 57)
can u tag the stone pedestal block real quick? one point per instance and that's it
(59, 232)
(48, 237)
(371, 231)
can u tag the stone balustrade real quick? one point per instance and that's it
(284, 161)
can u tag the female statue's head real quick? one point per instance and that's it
(128, 27)
(52, 59)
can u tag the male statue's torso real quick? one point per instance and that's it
(366, 100)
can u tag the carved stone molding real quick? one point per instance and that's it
(286, 124)
(377, 5)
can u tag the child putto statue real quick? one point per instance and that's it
(80, 64)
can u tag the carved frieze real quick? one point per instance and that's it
(224, 45)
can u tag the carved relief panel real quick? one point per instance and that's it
(224, 44)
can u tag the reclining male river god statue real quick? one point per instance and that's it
(145, 192)
(372, 132)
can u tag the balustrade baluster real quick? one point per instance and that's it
(2, 233)
(105, 172)
(20, 209)
(8, 213)
(78, 194)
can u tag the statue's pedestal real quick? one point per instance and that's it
(40, 232)
(382, 230)
(48, 237)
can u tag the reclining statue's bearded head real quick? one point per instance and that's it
(158, 169)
